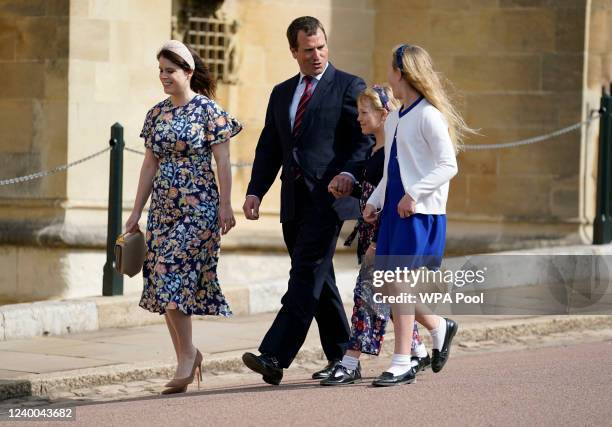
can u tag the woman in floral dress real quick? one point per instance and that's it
(188, 212)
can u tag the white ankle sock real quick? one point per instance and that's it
(349, 363)
(420, 350)
(400, 364)
(437, 335)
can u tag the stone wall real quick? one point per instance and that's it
(113, 78)
(522, 68)
(73, 67)
(33, 104)
(77, 66)
(519, 67)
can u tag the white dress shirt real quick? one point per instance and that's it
(299, 91)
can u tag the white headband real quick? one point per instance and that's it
(181, 50)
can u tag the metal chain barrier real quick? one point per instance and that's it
(44, 174)
(131, 150)
(594, 116)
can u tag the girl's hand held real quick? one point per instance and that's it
(369, 214)
(406, 206)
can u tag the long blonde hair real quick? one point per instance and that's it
(417, 69)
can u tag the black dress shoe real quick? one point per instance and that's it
(387, 379)
(342, 375)
(265, 365)
(423, 362)
(325, 372)
(439, 357)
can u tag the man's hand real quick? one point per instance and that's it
(341, 186)
(251, 207)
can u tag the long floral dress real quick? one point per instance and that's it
(182, 227)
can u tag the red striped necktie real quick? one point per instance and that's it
(301, 109)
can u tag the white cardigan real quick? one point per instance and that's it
(426, 158)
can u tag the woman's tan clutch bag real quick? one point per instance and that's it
(130, 251)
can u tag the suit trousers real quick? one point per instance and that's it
(312, 292)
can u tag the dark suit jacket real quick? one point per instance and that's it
(329, 140)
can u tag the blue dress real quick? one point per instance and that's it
(411, 242)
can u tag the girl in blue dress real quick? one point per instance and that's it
(422, 140)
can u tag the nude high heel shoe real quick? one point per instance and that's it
(175, 390)
(196, 373)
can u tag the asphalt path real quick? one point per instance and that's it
(549, 386)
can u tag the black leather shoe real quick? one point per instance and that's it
(341, 375)
(387, 379)
(424, 362)
(265, 365)
(324, 373)
(439, 357)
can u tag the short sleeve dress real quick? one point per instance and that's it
(182, 226)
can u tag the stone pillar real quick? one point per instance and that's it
(72, 68)
(34, 59)
(113, 78)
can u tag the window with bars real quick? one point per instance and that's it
(211, 38)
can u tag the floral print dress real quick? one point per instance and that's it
(182, 227)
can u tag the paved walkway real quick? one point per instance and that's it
(214, 337)
(511, 388)
(528, 366)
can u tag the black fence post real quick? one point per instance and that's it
(602, 226)
(113, 281)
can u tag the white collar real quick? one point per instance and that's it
(317, 77)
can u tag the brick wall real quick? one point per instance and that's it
(518, 65)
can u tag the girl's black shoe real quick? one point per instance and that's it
(387, 379)
(424, 362)
(341, 376)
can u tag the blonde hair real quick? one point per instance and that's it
(417, 69)
(371, 95)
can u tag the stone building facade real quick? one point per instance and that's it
(519, 68)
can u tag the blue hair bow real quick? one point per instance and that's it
(384, 99)
(399, 56)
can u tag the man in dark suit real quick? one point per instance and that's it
(310, 130)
